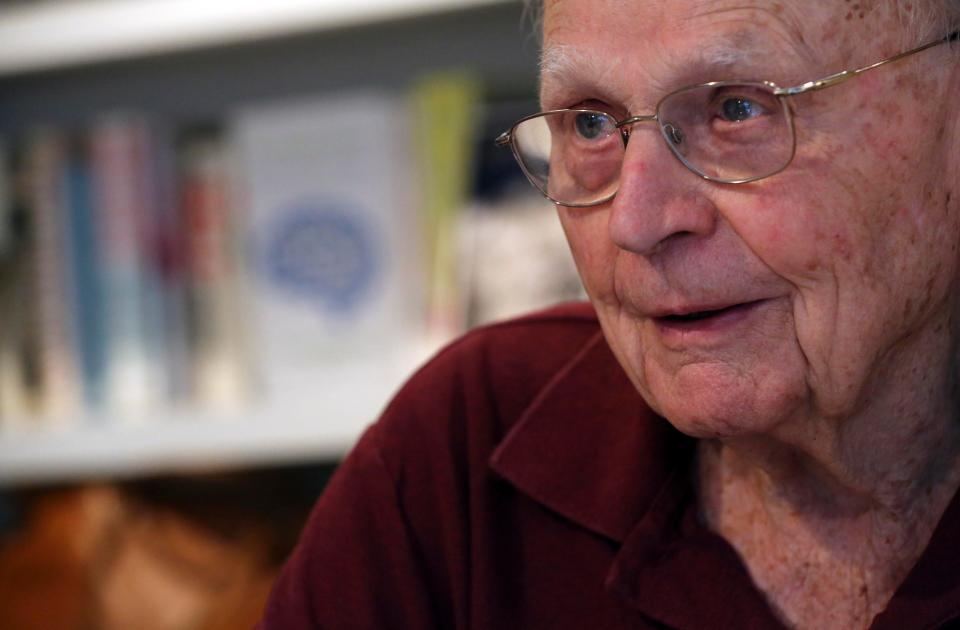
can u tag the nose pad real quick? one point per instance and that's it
(673, 132)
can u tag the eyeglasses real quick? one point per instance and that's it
(731, 132)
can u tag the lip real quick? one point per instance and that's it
(687, 326)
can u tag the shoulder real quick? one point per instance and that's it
(486, 379)
(454, 411)
(531, 340)
(513, 353)
(394, 536)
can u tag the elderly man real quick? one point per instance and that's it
(766, 433)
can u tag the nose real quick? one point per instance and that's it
(658, 198)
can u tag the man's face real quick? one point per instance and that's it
(811, 291)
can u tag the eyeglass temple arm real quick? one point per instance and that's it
(840, 77)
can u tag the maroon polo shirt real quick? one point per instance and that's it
(519, 481)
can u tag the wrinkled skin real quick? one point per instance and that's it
(852, 250)
(827, 405)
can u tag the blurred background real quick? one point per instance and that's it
(228, 232)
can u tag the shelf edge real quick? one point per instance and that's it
(63, 35)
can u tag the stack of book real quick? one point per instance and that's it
(146, 266)
(112, 235)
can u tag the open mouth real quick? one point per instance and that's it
(699, 315)
(706, 315)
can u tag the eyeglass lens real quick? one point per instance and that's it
(724, 132)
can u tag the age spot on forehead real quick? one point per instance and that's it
(860, 8)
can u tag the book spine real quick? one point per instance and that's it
(119, 162)
(55, 370)
(212, 234)
(443, 107)
(13, 300)
(83, 265)
(166, 260)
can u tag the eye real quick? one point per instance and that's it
(740, 109)
(593, 125)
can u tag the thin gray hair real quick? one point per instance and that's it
(922, 20)
(926, 20)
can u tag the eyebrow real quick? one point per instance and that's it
(743, 49)
(726, 53)
(560, 60)
(562, 64)
(564, 68)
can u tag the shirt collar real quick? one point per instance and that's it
(589, 448)
(930, 595)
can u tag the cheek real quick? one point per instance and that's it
(869, 244)
(927, 263)
(799, 236)
(593, 251)
(839, 208)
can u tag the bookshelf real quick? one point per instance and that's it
(191, 440)
(184, 66)
(56, 35)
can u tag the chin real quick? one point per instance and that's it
(711, 402)
(714, 427)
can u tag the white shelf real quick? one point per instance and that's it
(68, 33)
(317, 423)
(183, 443)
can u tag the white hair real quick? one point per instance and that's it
(922, 19)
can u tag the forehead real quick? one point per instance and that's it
(831, 20)
(663, 41)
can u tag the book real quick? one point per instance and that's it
(130, 311)
(166, 252)
(514, 257)
(54, 365)
(83, 269)
(335, 239)
(215, 298)
(444, 120)
(7, 236)
(15, 295)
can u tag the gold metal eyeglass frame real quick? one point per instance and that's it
(507, 137)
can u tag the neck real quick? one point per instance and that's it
(836, 512)
(842, 476)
